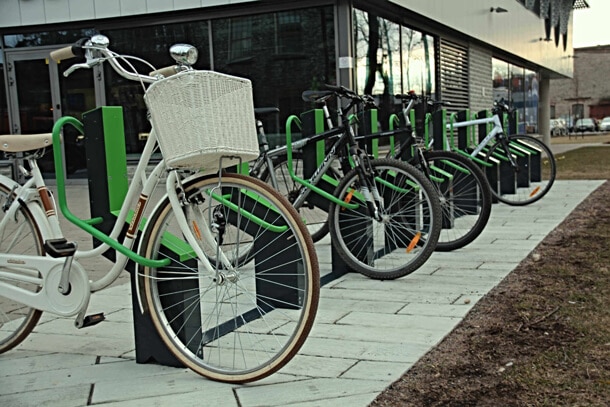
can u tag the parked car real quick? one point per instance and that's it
(568, 122)
(604, 125)
(586, 124)
(558, 128)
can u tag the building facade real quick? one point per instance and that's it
(467, 52)
(583, 95)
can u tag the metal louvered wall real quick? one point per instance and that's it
(453, 70)
(480, 72)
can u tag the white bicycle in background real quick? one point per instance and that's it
(226, 268)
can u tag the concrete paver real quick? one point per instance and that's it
(366, 335)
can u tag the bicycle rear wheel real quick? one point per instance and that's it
(409, 228)
(245, 323)
(314, 217)
(533, 176)
(465, 198)
(20, 236)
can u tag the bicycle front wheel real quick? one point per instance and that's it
(405, 233)
(531, 178)
(465, 198)
(247, 318)
(20, 235)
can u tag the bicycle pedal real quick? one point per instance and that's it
(93, 319)
(59, 247)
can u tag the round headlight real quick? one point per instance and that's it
(184, 53)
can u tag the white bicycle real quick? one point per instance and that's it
(226, 268)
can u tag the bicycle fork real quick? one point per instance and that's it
(368, 188)
(194, 233)
(503, 139)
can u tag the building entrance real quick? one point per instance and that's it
(39, 95)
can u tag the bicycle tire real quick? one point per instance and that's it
(20, 236)
(465, 198)
(408, 233)
(534, 176)
(314, 217)
(267, 305)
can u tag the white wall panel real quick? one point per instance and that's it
(56, 11)
(107, 8)
(81, 10)
(184, 4)
(11, 14)
(17, 13)
(155, 6)
(131, 7)
(32, 12)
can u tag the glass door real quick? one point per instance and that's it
(39, 95)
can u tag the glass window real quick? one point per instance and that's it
(500, 80)
(282, 61)
(531, 100)
(46, 38)
(391, 59)
(418, 64)
(519, 87)
(378, 56)
(282, 53)
(240, 41)
(289, 33)
(4, 126)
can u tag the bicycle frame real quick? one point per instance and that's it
(48, 272)
(496, 130)
(266, 158)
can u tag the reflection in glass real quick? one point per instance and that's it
(531, 100)
(519, 87)
(4, 125)
(283, 54)
(391, 59)
(46, 38)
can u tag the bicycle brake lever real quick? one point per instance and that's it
(87, 65)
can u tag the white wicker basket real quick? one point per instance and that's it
(201, 116)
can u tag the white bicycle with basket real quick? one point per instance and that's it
(226, 269)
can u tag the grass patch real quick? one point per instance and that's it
(584, 163)
(541, 338)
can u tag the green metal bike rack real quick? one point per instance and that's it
(63, 205)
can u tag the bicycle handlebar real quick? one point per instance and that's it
(501, 106)
(96, 51)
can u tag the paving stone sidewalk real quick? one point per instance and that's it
(366, 335)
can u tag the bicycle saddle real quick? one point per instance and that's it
(265, 111)
(316, 95)
(16, 143)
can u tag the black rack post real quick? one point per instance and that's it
(107, 173)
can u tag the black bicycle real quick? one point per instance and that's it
(384, 215)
